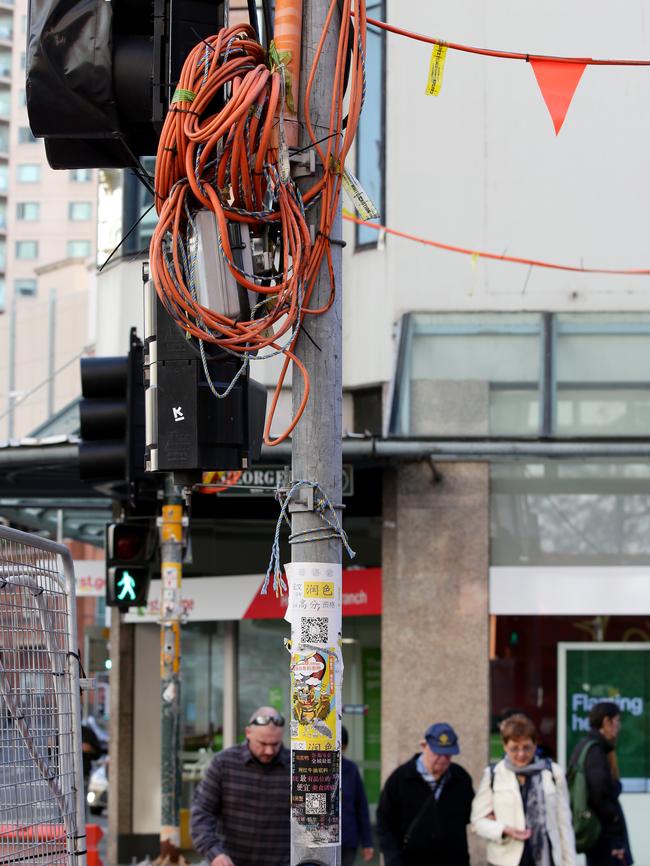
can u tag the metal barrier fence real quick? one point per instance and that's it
(42, 814)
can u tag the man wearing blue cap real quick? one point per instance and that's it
(425, 806)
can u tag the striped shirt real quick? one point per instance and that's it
(241, 808)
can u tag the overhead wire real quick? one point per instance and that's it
(498, 257)
(227, 155)
(504, 55)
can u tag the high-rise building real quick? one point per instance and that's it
(48, 242)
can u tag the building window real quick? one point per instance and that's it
(22, 97)
(533, 375)
(5, 101)
(25, 288)
(80, 175)
(80, 211)
(5, 62)
(79, 249)
(370, 134)
(28, 173)
(26, 249)
(23, 60)
(25, 135)
(4, 177)
(4, 139)
(30, 211)
(2, 294)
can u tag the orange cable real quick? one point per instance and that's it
(226, 159)
(506, 55)
(535, 263)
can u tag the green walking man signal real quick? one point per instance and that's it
(127, 587)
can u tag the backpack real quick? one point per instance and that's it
(586, 824)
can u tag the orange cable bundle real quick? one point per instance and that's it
(225, 157)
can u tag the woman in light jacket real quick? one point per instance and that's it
(522, 805)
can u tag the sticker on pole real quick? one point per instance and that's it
(315, 603)
(315, 795)
(362, 202)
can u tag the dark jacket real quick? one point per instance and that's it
(440, 836)
(355, 819)
(603, 793)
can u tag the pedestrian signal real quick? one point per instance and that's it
(127, 587)
(130, 552)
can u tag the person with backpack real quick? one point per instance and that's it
(595, 788)
(522, 804)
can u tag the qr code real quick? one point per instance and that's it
(313, 629)
(315, 804)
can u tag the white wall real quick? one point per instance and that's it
(480, 167)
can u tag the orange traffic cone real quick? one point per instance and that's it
(93, 834)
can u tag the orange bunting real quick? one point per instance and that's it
(558, 81)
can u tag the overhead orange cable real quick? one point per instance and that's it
(505, 55)
(535, 263)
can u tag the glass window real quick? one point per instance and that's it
(6, 28)
(28, 210)
(26, 249)
(3, 215)
(25, 135)
(5, 62)
(581, 514)
(602, 374)
(80, 175)
(2, 294)
(202, 692)
(5, 102)
(3, 254)
(370, 134)
(23, 60)
(22, 97)
(4, 177)
(25, 288)
(79, 249)
(28, 172)
(468, 375)
(80, 211)
(4, 139)
(23, 24)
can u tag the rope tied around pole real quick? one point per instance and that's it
(331, 529)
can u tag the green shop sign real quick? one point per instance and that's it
(590, 673)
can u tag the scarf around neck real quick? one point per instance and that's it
(535, 808)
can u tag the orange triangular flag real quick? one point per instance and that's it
(558, 81)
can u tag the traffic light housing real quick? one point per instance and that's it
(130, 552)
(112, 421)
(100, 74)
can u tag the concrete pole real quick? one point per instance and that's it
(316, 443)
(171, 551)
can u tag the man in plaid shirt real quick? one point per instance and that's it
(240, 810)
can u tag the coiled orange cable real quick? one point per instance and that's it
(223, 157)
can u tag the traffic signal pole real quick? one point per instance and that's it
(171, 551)
(316, 457)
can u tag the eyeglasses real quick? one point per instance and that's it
(278, 721)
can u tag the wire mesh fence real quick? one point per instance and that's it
(41, 780)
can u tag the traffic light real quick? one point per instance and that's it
(111, 415)
(100, 74)
(130, 549)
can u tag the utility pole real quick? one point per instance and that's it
(316, 457)
(171, 551)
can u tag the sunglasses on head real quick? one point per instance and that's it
(278, 721)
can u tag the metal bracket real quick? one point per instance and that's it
(303, 163)
(87, 684)
(303, 500)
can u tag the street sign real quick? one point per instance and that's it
(263, 480)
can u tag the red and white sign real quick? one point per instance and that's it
(238, 597)
(90, 578)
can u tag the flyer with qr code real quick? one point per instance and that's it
(314, 607)
(315, 795)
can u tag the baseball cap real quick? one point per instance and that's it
(441, 739)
